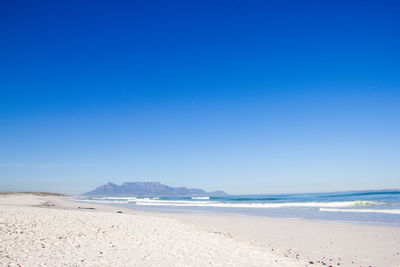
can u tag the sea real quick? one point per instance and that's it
(381, 207)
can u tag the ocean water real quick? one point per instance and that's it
(368, 207)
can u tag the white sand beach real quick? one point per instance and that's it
(39, 231)
(322, 243)
(48, 230)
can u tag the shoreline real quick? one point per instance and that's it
(54, 231)
(212, 213)
(292, 242)
(380, 208)
(346, 243)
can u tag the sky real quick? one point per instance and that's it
(244, 96)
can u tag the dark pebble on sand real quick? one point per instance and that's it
(311, 262)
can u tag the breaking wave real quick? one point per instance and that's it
(177, 203)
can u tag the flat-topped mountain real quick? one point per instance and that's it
(149, 189)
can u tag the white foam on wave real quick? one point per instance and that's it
(200, 197)
(116, 198)
(178, 203)
(397, 211)
(159, 201)
(103, 201)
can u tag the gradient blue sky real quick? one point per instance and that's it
(244, 96)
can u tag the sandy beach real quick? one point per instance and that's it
(49, 230)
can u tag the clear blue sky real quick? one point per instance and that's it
(244, 96)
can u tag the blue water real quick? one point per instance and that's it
(369, 207)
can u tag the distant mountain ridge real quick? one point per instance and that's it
(149, 189)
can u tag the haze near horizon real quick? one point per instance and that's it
(246, 97)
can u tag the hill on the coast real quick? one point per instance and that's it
(148, 189)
